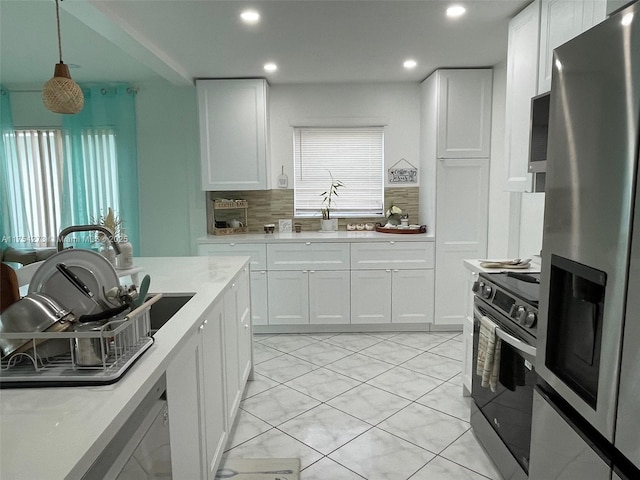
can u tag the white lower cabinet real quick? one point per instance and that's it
(467, 335)
(205, 381)
(392, 296)
(288, 297)
(371, 296)
(412, 296)
(308, 296)
(245, 332)
(329, 297)
(332, 283)
(231, 354)
(259, 299)
(197, 416)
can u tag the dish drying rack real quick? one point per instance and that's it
(127, 338)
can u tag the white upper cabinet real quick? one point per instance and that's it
(464, 113)
(522, 84)
(560, 21)
(233, 134)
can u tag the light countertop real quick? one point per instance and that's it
(317, 236)
(57, 433)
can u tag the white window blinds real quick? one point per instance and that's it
(353, 155)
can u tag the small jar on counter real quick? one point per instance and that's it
(125, 259)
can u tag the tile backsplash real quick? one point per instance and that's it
(268, 206)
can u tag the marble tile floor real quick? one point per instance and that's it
(376, 406)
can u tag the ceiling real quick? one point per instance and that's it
(311, 41)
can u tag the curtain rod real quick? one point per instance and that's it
(27, 90)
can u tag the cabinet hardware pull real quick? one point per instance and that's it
(201, 327)
(205, 322)
(232, 244)
(307, 243)
(392, 242)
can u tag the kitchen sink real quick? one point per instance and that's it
(164, 309)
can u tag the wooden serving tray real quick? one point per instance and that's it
(421, 229)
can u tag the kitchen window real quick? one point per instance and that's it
(35, 176)
(353, 155)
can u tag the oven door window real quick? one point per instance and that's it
(509, 408)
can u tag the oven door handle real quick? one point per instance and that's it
(510, 339)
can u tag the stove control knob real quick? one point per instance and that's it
(530, 319)
(486, 292)
(476, 286)
(520, 314)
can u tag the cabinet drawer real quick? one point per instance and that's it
(308, 256)
(392, 254)
(257, 252)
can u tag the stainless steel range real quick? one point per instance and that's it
(501, 416)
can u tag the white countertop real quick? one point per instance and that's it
(318, 236)
(56, 433)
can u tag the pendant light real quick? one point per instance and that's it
(61, 94)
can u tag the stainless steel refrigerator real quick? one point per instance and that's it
(586, 420)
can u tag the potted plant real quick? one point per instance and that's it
(327, 223)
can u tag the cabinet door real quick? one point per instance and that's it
(233, 140)
(329, 297)
(560, 21)
(522, 85)
(308, 256)
(593, 12)
(461, 209)
(371, 296)
(231, 359)
(186, 419)
(259, 310)
(386, 255)
(288, 297)
(467, 336)
(464, 113)
(245, 334)
(257, 252)
(412, 296)
(211, 360)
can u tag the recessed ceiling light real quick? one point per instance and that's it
(250, 16)
(455, 11)
(410, 64)
(270, 67)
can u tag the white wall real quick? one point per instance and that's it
(172, 206)
(397, 105)
(499, 200)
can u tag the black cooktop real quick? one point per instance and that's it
(525, 286)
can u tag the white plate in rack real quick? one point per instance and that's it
(91, 267)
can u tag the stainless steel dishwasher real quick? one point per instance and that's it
(140, 450)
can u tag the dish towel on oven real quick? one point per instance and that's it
(488, 364)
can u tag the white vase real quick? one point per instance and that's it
(327, 225)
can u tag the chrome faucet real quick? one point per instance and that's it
(87, 228)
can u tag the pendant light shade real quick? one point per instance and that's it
(61, 94)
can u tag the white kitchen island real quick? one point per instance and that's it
(57, 433)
